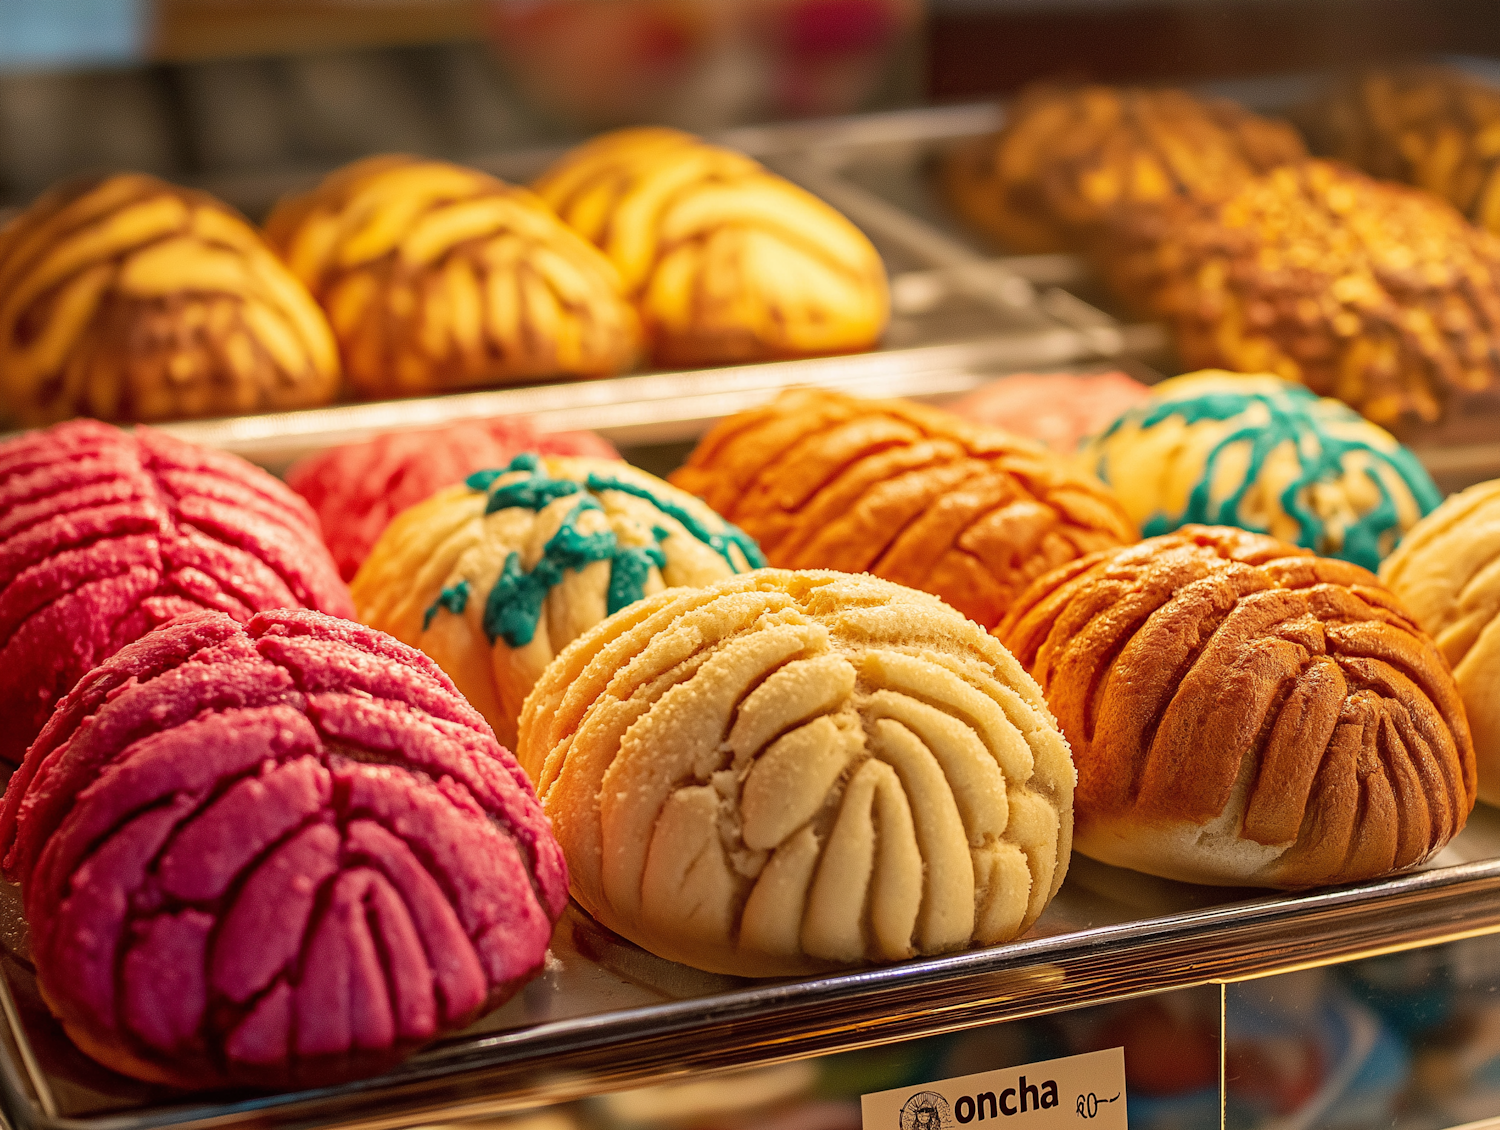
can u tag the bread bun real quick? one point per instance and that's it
(131, 299)
(725, 261)
(1446, 572)
(909, 493)
(439, 277)
(495, 576)
(786, 772)
(1242, 712)
(1266, 455)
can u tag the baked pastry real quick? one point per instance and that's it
(357, 489)
(725, 261)
(909, 493)
(1266, 455)
(439, 277)
(105, 534)
(1444, 571)
(1434, 127)
(1244, 713)
(1380, 295)
(495, 576)
(1057, 409)
(786, 772)
(284, 854)
(130, 299)
(1070, 159)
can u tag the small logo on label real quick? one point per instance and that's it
(927, 1110)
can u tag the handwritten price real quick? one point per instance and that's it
(1089, 1104)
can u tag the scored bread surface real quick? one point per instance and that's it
(785, 772)
(1242, 712)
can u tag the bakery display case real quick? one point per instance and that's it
(1131, 999)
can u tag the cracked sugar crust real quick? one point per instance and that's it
(1242, 712)
(787, 772)
(909, 493)
(282, 854)
(106, 534)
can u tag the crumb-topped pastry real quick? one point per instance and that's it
(436, 276)
(725, 261)
(1242, 712)
(787, 772)
(495, 576)
(128, 298)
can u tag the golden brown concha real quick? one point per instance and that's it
(128, 298)
(1071, 158)
(1375, 293)
(1447, 571)
(1434, 127)
(437, 276)
(918, 496)
(725, 261)
(786, 772)
(1242, 712)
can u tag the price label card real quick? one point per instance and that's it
(1082, 1092)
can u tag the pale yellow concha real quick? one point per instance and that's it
(1447, 573)
(787, 772)
(726, 261)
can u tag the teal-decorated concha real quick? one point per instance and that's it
(1263, 454)
(493, 577)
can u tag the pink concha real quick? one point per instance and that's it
(282, 853)
(106, 534)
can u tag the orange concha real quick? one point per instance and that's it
(907, 492)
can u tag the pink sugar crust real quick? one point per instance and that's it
(357, 489)
(105, 534)
(1057, 409)
(281, 853)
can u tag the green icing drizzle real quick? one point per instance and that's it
(514, 605)
(1297, 415)
(455, 598)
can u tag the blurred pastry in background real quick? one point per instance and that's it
(725, 261)
(1434, 127)
(1070, 159)
(1263, 454)
(1375, 293)
(128, 298)
(438, 277)
(909, 493)
(357, 489)
(1057, 409)
(1447, 571)
(789, 772)
(1242, 712)
(496, 575)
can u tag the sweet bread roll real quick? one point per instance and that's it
(1446, 572)
(1057, 409)
(1375, 293)
(785, 772)
(130, 299)
(918, 496)
(438, 277)
(495, 576)
(282, 854)
(725, 261)
(1070, 159)
(1242, 712)
(1266, 455)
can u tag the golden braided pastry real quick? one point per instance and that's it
(1377, 294)
(726, 262)
(1071, 159)
(784, 772)
(440, 277)
(909, 493)
(1242, 712)
(130, 299)
(1447, 571)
